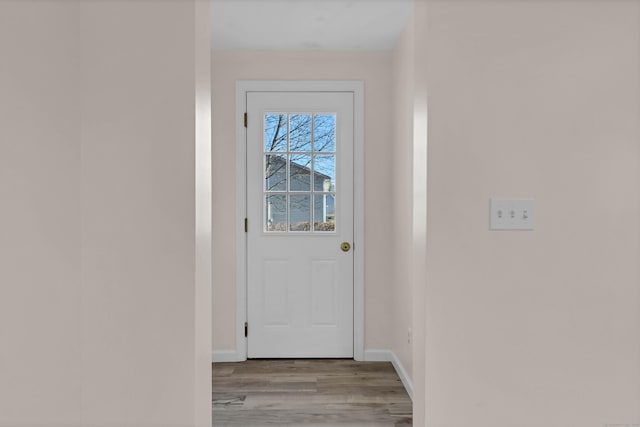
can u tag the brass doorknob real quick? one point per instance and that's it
(345, 246)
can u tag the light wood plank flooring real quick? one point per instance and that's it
(316, 392)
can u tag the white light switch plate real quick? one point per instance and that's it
(511, 214)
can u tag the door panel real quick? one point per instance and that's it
(324, 292)
(300, 210)
(274, 295)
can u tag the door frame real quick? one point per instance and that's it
(357, 88)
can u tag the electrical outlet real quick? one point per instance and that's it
(511, 214)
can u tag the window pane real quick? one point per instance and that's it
(275, 172)
(324, 132)
(300, 171)
(324, 168)
(300, 212)
(275, 132)
(275, 212)
(300, 132)
(324, 212)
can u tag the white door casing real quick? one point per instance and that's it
(300, 211)
(324, 266)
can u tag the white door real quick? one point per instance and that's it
(300, 224)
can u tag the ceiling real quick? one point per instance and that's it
(308, 24)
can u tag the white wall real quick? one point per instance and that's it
(400, 262)
(410, 205)
(98, 239)
(533, 99)
(40, 203)
(419, 212)
(375, 69)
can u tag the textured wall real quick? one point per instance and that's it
(98, 313)
(40, 214)
(533, 99)
(402, 198)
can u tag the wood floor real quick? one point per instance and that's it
(284, 392)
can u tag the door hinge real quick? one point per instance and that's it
(246, 329)
(246, 225)
(245, 119)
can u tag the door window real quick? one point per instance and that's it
(299, 172)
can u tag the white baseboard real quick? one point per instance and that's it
(226, 356)
(390, 356)
(378, 355)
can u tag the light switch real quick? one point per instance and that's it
(511, 214)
